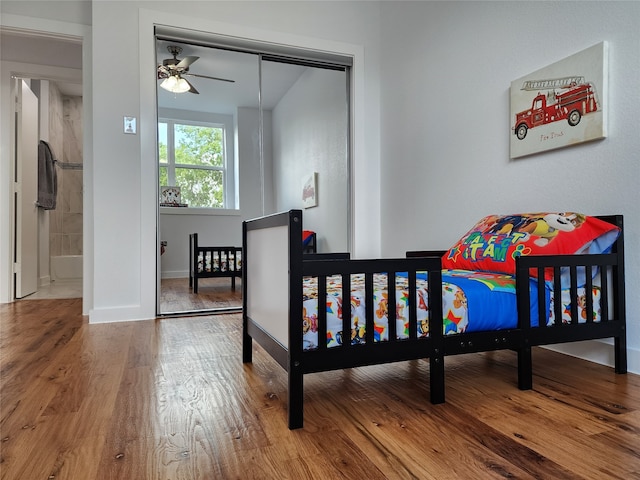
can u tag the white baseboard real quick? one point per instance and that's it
(45, 281)
(175, 274)
(118, 314)
(598, 351)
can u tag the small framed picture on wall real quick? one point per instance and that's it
(310, 190)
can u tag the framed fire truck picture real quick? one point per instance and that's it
(560, 105)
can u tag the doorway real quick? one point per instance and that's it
(53, 257)
(288, 117)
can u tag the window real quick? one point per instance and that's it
(194, 157)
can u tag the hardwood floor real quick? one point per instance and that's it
(171, 399)
(213, 293)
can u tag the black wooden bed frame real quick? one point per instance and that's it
(233, 269)
(286, 345)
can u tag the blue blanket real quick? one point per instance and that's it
(481, 301)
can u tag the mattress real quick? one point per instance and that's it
(472, 302)
(210, 261)
(334, 303)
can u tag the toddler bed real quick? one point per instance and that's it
(213, 262)
(437, 312)
(289, 327)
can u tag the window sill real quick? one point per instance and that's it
(199, 211)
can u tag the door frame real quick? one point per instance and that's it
(263, 52)
(53, 30)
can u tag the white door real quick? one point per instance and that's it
(26, 191)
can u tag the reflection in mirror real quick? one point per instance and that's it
(201, 140)
(239, 149)
(309, 150)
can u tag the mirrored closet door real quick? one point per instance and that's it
(240, 135)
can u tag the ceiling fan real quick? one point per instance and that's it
(172, 70)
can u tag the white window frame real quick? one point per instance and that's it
(226, 122)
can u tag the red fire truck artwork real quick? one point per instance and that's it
(567, 98)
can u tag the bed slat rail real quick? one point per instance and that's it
(578, 267)
(323, 269)
(580, 270)
(393, 349)
(217, 261)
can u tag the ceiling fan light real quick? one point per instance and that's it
(175, 84)
(182, 86)
(169, 83)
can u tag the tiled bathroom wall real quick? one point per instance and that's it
(65, 123)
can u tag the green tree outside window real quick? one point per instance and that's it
(197, 165)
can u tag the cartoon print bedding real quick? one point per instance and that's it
(471, 301)
(212, 262)
(334, 302)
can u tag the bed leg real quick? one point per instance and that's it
(247, 347)
(233, 283)
(525, 369)
(620, 352)
(436, 377)
(195, 284)
(295, 404)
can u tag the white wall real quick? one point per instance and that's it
(309, 135)
(446, 73)
(125, 254)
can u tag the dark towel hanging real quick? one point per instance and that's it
(47, 177)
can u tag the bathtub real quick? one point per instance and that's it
(66, 267)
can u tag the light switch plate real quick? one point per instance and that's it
(130, 125)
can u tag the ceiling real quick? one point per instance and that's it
(29, 47)
(215, 96)
(224, 97)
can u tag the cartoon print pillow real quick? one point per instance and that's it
(493, 244)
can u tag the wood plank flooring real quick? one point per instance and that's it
(171, 399)
(213, 294)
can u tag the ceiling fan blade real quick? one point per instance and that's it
(210, 78)
(192, 89)
(186, 61)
